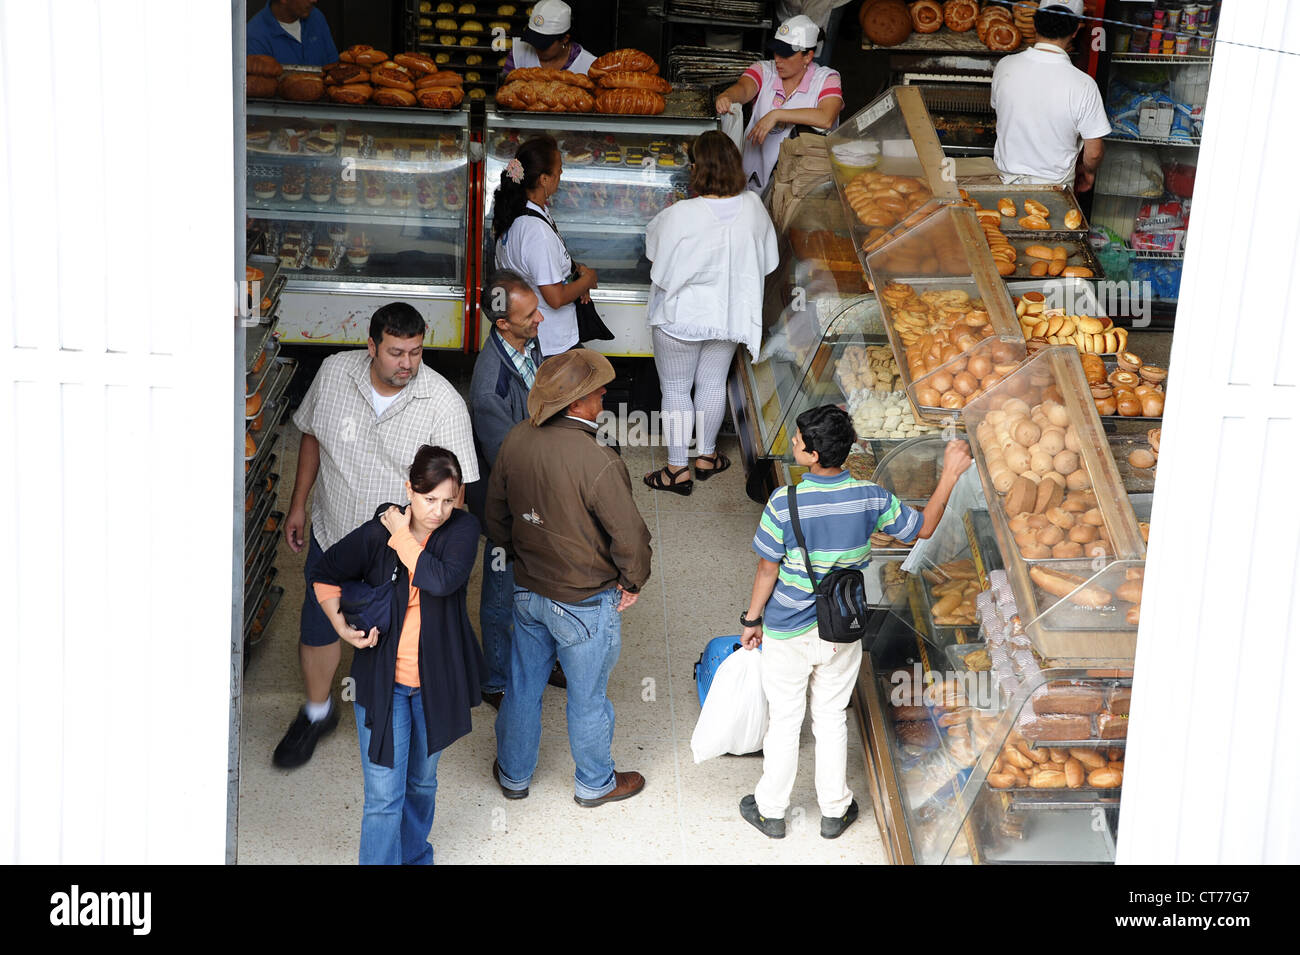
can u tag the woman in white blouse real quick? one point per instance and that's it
(527, 242)
(709, 256)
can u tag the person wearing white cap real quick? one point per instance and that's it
(546, 42)
(787, 90)
(825, 13)
(1046, 107)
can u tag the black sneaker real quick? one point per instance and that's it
(772, 828)
(493, 699)
(832, 827)
(300, 741)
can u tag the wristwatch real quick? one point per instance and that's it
(746, 622)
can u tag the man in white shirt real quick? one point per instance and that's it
(1046, 106)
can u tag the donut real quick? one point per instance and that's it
(959, 15)
(927, 16)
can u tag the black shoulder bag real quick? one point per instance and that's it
(841, 596)
(590, 325)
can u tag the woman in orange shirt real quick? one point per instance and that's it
(395, 589)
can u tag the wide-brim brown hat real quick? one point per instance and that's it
(563, 379)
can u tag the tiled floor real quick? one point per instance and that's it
(703, 569)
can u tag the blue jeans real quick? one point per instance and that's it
(586, 638)
(398, 811)
(496, 618)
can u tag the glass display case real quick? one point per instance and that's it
(1065, 527)
(619, 172)
(362, 206)
(889, 168)
(947, 312)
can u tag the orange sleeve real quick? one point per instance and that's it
(407, 547)
(325, 591)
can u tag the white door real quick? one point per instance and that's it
(118, 489)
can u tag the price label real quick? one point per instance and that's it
(875, 112)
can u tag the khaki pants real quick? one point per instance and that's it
(790, 668)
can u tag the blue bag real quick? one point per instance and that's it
(715, 651)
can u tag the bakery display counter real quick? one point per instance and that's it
(361, 206)
(947, 312)
(619, 172)
(1072, 546)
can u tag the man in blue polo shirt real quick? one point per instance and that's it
(292, 31)
(838, 514)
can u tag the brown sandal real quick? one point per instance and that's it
(720, 463)
(662, 480)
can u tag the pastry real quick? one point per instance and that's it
(387, 96)
(623, 60)
(441, 78)
(260, 87)
(629, 102)
(343, 73)
(392, 77)
(301, 87)
(959, 15)
(538, 74)
(353, 94)
(259, 64)
(634, 81)
(927, 16)
(440, 97)
(265, 189)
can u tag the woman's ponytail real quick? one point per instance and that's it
(535, 158)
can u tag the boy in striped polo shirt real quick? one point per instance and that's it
(838, 514)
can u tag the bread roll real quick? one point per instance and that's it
(261, 87)
(441, 78)
(1105, 778)
(440, 97)
(353, 94)
(417, 63)
(389, 96)
(927, 16)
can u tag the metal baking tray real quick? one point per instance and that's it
(264, 559)
(253, 479)
(263, 503)
(1058, 199)
(253, 598)
(275, 595)
(1136, 480)
(1078, 252)
(254, 380)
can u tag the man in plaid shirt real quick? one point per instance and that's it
(364, 417)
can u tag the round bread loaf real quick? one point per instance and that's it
(887, 23)
(301, 87)
(259, 64)
(261, 87)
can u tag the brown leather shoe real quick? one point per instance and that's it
(626, 785)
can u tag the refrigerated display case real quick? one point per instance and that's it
(362, 206)
(619, 172)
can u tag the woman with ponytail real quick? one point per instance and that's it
(527, 242)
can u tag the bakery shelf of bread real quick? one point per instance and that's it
(943, 26)
(1032, 209)
(1065, 527)
(948, 315)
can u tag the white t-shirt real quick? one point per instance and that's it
(725, 208)
(293, 29)
(381, 402)
(1045, 107)
(531, 248)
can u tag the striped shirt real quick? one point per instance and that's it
(838, 516)
(365, 459)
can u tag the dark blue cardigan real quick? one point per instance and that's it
(450, 660)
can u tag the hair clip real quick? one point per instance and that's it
(515, 170)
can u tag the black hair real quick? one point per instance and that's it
(1055, 24)
(397, 319)
(500, 285)
(537, 156)
(432, 466)
(828, 430)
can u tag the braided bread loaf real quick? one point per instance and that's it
(626, 80)
(537, 74)
(545, 97)
(631, 102)
(623, 60)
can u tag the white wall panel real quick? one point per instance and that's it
(117, 471)
(1211, 776)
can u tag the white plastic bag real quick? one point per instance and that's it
(734, 716)
(733, 127)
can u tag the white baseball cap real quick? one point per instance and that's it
(1065, 6)
(794, 35)
(551, 19)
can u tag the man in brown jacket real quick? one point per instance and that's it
(561, 505)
